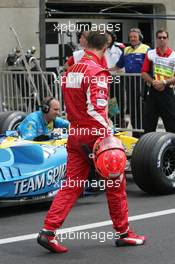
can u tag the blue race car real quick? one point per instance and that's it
(30, 170)
(34, 171)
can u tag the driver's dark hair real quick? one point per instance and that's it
(97, 40)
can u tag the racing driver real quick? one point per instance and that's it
(85, 91)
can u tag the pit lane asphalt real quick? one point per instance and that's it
(24, 220)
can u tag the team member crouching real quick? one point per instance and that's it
(40, 124)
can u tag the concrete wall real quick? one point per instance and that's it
(167, 8)
(24, 17)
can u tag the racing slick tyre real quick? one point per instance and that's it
(10, 120)
(153, 163)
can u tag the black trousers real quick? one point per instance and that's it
(159, 104)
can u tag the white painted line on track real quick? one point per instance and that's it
(88, 226)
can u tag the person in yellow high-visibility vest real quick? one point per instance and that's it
(158, 72)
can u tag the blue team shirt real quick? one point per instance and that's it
(132, 59)
(35, 125)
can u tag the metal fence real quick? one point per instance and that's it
(125, 105)
(127, 90)
(18, 94)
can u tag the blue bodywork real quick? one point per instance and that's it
(31, 170)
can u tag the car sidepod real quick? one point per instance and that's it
(29, 170)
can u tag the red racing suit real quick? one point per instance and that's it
(85, 90)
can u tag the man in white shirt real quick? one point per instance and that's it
(113, 51)
(117, 93)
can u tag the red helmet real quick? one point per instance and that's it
(109, 157)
